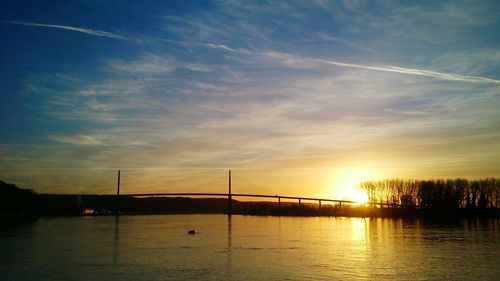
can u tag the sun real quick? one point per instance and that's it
(347, 185)
(352, 192)
(358, 196)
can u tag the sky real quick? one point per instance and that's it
(296, 97)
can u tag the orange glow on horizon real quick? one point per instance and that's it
(347, 184)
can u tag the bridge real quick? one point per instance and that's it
(230, 195)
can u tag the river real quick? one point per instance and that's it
(249, 248)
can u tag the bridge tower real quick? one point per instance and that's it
(229, 200)
(117, 203)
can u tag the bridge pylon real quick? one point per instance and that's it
(229, 199)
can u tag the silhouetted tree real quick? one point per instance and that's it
(443, 194)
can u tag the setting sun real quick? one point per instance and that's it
(358, 195)
(348, 181)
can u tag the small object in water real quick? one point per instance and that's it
(192, 232)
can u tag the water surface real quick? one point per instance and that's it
(249, 248)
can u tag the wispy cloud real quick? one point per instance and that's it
(148, 64)
(75, 139)
(209, 45)
(327, 37)
(94, 32)
(224, 47)
(298, 61)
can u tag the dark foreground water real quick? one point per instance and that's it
(249, 248)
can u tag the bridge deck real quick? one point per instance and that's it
(239, 195)
(255, 195)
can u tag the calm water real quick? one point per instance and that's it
(249, 248)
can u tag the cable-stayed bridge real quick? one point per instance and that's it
(230, 195)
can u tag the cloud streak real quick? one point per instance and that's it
(224, 47)
(306, 62)
(78, 139)
(94, 32)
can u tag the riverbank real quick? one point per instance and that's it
(21, 203)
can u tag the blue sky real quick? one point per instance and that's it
(299, 97)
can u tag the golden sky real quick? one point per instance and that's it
(297, 98)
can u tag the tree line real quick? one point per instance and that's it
(450, 193)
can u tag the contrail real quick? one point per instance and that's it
(71, 28)
(414, 71)
(386, 68)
